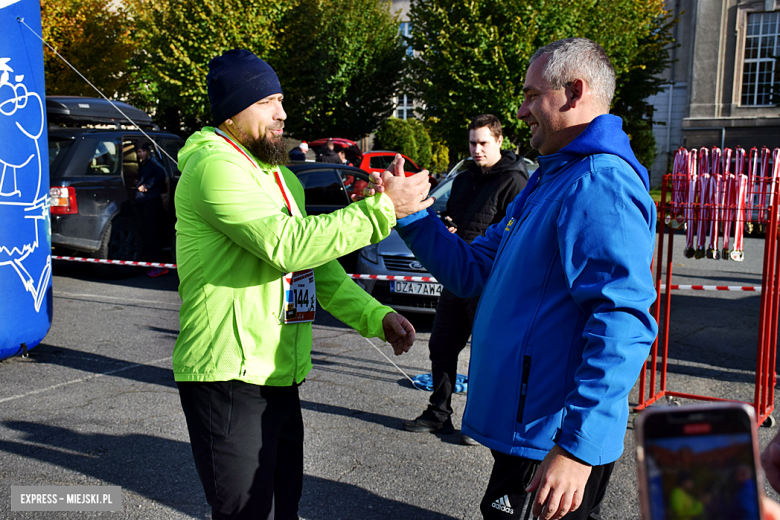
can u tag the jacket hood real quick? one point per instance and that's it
(509, 162)
(195, 142)
(604, 135)
(207, 142)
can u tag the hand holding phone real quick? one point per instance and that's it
(451, 225)
(699, 462)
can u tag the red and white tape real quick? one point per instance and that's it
(747, 288)
(392, 277)
(112, 262)
(383, 277)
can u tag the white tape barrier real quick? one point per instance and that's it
(112, 262)
(383, 277)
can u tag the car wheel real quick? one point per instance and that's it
(121, 241)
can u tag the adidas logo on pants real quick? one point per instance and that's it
(502, 504)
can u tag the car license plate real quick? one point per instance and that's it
(423, 289)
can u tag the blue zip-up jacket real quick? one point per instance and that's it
(563, 324)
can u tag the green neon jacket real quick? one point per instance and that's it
(235, 239)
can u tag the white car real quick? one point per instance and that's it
(392, 257)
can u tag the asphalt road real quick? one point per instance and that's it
(95, 404)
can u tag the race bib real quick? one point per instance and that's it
(300, 297)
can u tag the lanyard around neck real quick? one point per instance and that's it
(254, 164)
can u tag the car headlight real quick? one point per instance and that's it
(371, 253)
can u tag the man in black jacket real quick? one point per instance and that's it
(328, 155)
(479, 198)
(148, 204)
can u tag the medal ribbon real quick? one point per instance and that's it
(716, 201)
(729, 186)
(763, 183)
(704, 202)
(690, 209)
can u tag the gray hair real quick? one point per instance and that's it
(579, 58)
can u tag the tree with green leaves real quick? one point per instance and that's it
(339, 61)
(440, 157)
(340, 64)
(180, 37)
(423, 141)
(396, 135)
(473, 56)
(95, 37)
(642, 80)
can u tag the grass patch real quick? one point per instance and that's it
(656, 194)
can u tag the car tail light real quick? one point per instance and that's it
(62, 200)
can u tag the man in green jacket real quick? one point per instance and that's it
(252, 266)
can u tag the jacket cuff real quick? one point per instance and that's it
(410, 219)
(382, 204)
(585, 450)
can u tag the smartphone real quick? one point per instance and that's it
(448, 222)
(699, 462)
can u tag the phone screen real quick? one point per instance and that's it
(701, 466)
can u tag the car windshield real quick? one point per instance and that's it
(442, 195)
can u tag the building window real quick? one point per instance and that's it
(761, 44)
(404, 107)
(405, 30)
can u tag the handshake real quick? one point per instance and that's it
(408, 194)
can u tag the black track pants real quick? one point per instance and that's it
(247, 441)
(505, 498)
(450, 334)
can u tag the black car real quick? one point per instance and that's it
(328, 187)
(94, 171)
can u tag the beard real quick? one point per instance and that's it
(269, 150)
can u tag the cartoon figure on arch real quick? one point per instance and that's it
(24, 211)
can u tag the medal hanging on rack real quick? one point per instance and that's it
(716, 180)
(750, 195)
(690, 205)
(775, 176)
(704, 202)
(727, 202)
(740, 193)
(679, 189)
(763, 185)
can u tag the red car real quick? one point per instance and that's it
(373, 161)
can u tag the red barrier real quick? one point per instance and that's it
(754, 201)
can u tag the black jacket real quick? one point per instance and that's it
(479, 200)
(296, 154)
(329, 156)
(152, 174)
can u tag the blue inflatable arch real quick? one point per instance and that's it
(25, 232)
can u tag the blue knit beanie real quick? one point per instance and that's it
(236, 80)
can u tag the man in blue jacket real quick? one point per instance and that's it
(563, 327)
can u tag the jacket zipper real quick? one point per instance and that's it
(523, 387)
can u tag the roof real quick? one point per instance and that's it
(337, 141)
(75, 111)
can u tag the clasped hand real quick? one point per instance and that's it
(408, 194)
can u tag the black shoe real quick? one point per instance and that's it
(467, 441)
(425, 423)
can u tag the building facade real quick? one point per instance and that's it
(721, 91)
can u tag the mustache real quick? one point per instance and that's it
(277, 126)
